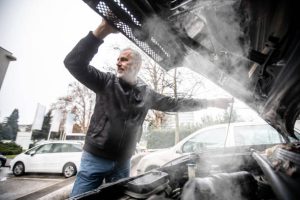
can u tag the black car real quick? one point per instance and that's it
(252, 49)
(2, 160)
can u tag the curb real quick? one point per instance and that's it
(60, 194)
(57, 191)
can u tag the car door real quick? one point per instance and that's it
(64, 153)
(40, 161)
(59, 156)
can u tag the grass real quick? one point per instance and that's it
(10, 156)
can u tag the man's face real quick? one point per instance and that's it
(125, 68)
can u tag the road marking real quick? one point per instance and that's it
(3, 179)
(40, 179)
(40, 193)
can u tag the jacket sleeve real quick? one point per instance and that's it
(77, 62)
(169, 104)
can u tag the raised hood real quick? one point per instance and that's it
(249, 48)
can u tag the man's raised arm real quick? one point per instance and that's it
(77, 61)
(170, 104)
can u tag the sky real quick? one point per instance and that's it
(40, 33)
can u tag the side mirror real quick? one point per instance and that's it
(32, 153)
(178, 150)
(200, 147)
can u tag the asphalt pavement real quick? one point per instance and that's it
(33, 186)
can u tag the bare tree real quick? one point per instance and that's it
(175, 84)
(184, 90)
(63, 104)
(155, 76)
(84, 101)
(176, 114)
(80, 102)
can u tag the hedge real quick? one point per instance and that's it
(164, 138)
(10, 148)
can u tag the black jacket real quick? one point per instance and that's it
(116, 124)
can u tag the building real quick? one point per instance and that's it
(5, 58)
(184, 118)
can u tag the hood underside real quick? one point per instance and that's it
(249, 48)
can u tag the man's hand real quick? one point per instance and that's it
(103, 30)
(222, 103)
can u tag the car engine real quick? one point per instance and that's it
(229, 173)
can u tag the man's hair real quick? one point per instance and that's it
(136, 57)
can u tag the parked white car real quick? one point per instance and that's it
(50, 157)
(217, 136)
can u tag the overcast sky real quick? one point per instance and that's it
(40, 33)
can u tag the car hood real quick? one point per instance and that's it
(249, 48)
(163, 156)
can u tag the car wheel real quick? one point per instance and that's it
(18, 169)
(69, 170)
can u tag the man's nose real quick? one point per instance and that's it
(118, 63)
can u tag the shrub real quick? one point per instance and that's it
(164, 138)
(10, 148)
(157, 139)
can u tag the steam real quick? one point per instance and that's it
(224, 31)
(225, 186)
(224, 25)
(220, 30)
(219, 27)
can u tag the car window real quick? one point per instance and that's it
(32, 150)
(59, 148)
(256, 135)
(208, 139)
(44, 149)
(74, 148)
(297, 134)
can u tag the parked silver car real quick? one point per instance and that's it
(217, 136)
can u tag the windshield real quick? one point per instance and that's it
(235, 135)
(32, 150)
(204, 140)
(256, 135)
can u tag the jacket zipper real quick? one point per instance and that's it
(123, 133)
(125, 122)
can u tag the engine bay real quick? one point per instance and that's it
(220, 174)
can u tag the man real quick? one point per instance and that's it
(122, 102)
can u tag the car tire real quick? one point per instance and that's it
(69, 170)
(19, 169)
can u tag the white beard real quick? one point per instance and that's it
(129, 76)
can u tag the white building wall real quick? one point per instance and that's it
(24, 139)
(185, 119)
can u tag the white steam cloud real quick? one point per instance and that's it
(220, 29)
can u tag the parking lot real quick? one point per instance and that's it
(33, 186)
